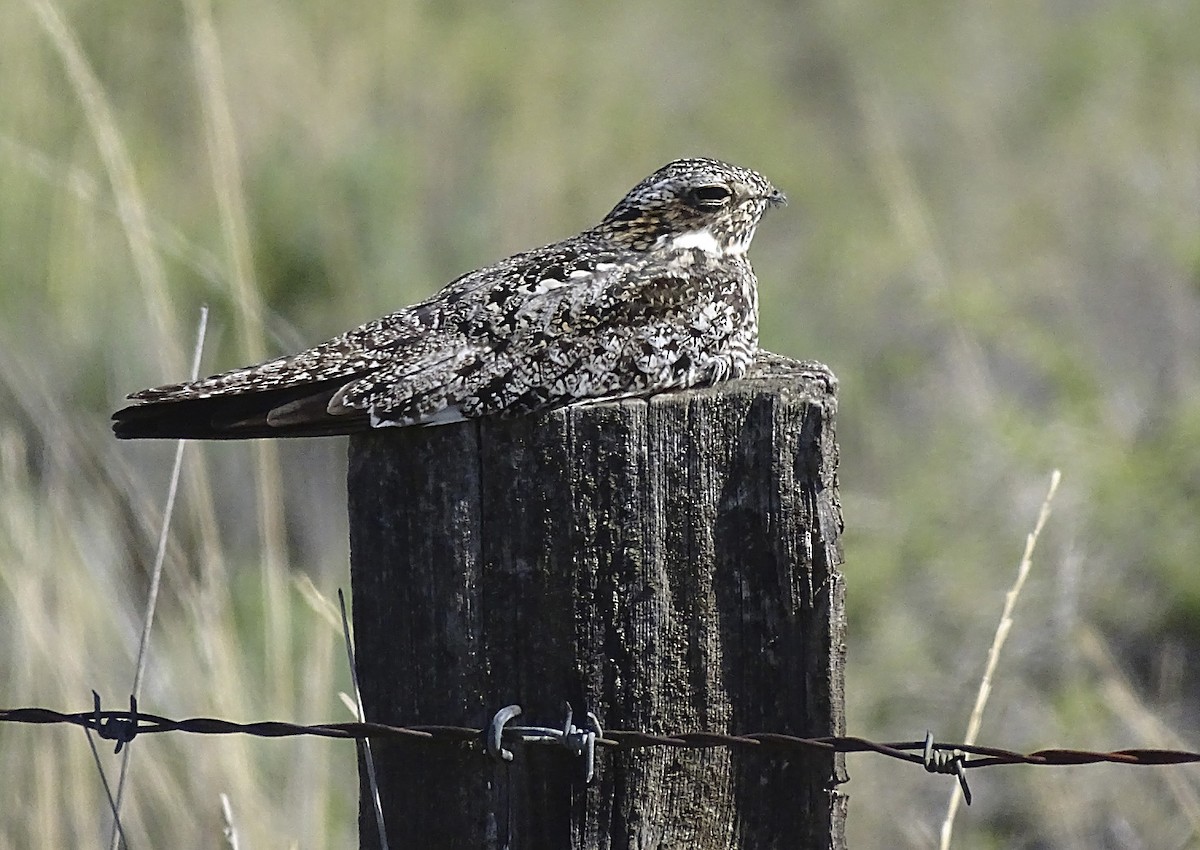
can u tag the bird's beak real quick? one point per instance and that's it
(776, 199)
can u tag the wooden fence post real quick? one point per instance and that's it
(671, 565)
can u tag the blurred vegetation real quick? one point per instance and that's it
(993, 239)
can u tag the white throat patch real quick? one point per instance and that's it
(706, 242)
(702, 239)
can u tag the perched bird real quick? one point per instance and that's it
(658, 296)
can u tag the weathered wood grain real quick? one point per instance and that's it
(669, 564)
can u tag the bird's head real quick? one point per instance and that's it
(693, 203)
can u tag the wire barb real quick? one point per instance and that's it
(113, 727)
(577, 741)
(946, 761)
(582, 742)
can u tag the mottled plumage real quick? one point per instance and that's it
(659, 295)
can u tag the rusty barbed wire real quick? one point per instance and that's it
(123, 726)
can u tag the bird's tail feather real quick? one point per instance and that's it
(299, 411)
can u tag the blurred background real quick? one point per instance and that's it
(993, 240)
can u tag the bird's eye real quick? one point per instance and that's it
(710, 196)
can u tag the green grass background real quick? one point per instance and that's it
(993, 239)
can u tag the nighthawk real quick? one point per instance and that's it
(657, 296)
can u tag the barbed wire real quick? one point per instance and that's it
(124, 725)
